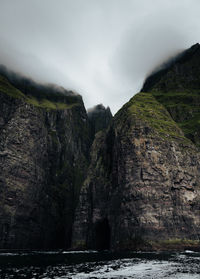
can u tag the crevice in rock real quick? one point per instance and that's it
(102, 235)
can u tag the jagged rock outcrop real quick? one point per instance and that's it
(143, 183)
(99, 119)
(140, 184)
(44, 148)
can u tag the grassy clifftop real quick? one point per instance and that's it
(41, 99)
(177, 88)
(146, 108)
(184, 108)
(173, 115)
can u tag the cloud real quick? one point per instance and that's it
(101, 49)
(145, 48)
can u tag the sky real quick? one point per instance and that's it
(101, 49)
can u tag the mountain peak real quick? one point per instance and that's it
(195, 46)
(97, 109)
(99, 118)
(179, 73)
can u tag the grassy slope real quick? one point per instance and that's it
(145, 107)
(184, 108)
(7, 88)
(177, 88)
(170, 114)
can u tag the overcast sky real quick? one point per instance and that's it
(102, 49)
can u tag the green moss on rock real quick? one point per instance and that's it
(177, 88)
(175, 244)
(8, 89)
(184, 108)
(145, 107)
(173, 115)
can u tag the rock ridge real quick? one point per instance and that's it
(71, 178)
(145, 192)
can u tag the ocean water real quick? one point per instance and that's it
(92, 264)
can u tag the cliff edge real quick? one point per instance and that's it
(142, 190)
(44, 150)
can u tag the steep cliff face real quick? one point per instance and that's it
(177, 87)
(143, 185)
(140, 185)
(44, 144)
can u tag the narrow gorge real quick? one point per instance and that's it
(87, 180)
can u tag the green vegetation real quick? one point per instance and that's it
(80, 245)
(144, 106)
(173, 115)
(44, 101)
(184, 107)
(175, 244)
(171, 99)
(7, 88)
(184, 241)
(191, 126)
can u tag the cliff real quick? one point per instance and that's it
(99, 119)
(93, 181)
(44, 149)
(177, 87)
(142, 190)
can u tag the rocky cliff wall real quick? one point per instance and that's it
(143, 186)
(145, 189)
(140, 184)
(44, 148)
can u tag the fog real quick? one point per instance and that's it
(102, 49)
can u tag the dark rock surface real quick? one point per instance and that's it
(143, 184)
(177, 87)
(43, 160)
(137, 186)
(178, 74)
(99, 119)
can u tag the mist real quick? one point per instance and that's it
(101, 49)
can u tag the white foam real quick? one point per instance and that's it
(127, 270)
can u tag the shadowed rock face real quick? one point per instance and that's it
(44, 148)
(140, 185)
(144, 176)
(99, 119)
(178, 74)
(177, 88)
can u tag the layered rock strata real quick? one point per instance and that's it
(44, 146)
(143, 184)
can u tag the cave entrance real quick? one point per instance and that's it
(102, 235)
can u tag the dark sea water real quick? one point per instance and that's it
(91, 264)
